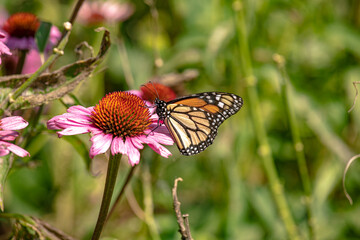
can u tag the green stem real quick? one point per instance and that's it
(298, 145)
(73, 16)
(259, 128)
(148, 203)
(31, 131)
(158, 61)
(118, 198)
(125, 63)
(112, 171)
(21, 61)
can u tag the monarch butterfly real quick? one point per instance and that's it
(193, 120)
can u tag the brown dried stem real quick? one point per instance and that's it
(356, 95)
(182, 219)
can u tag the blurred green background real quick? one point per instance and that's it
(225, 189)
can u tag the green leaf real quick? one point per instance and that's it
(42, 35)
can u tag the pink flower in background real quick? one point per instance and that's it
(150, 91)
(54, 37)
(97, 12)
(7, 133)
(20, 29)
(33, 60)
(120, 122)
(3, 48)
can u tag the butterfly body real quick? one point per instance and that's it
(193, 120)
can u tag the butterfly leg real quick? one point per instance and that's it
(152, 130)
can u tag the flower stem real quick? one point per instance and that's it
(73, 16)
(148, 203)
(118, 198)
(125, 63)
(31, 130)
(112, 171)
(298, 145)
(259, 128)
(21, 61)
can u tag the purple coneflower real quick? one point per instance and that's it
(120, 122)
(20, 29)
(7, 133)
(97, 12)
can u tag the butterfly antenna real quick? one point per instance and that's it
(151, 90)
(157, 94)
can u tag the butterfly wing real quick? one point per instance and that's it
(193, 120)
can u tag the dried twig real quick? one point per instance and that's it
(344, 177)
(356, 95)
(182, 219)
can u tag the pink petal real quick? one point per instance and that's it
(158, 148)
(5, 146)
(101, 143)
(3, 151)
(118, 146)
(78, 109)
(24, 43)
(155, 145)
(73, 131)
(13, 123)
(132, 152)
(68, 120)
(135, 92)
(154, 117)
(4, 49)
(137, 142)
(55, 35)
(18, 151)
(162, 136)
(32, 62)
(8, 135)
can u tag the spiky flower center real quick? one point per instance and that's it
(121, 114)
(22, 25)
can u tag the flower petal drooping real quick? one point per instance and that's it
(120, 122)
(7, 133)
(3, 48)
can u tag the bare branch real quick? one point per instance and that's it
(344, 177)
(183, 221)
(356, 95)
